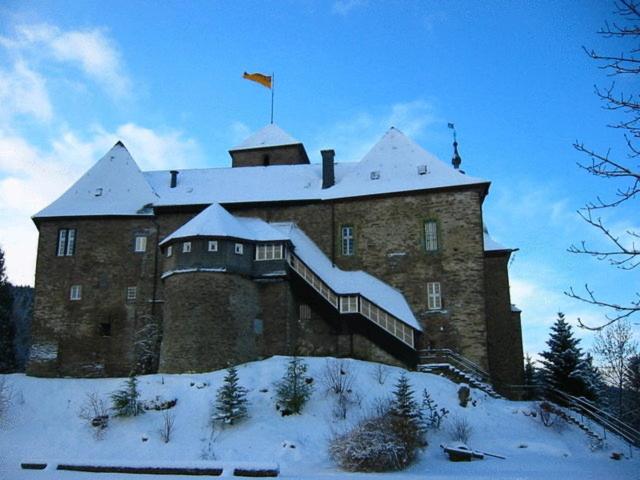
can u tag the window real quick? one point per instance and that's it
(132, 293)
(349, 304)
(169, 250)
(141, 243)
(431, 236)
(346, 234)
(105, 329)
(75, 293)
(239, 249)
(258, 326)
(305, 312)
(269, 252)
(186, 247)
(434, 296)
(66, 242)
(213, 246)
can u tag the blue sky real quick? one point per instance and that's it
(165, 77)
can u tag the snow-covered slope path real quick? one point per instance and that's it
(43, 424)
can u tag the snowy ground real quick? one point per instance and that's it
(43, 424)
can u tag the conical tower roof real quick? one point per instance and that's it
(215, 221)
(113, 186)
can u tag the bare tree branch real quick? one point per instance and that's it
(622, 250)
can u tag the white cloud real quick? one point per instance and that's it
(31, 178)
(23, 92)
(91, 50)
(344, 7)
(352, 138)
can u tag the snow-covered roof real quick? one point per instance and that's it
(348, 282)
(490, 245)
(394, 164)
(113, 186)
(215, 221)
(397, 164)
(270, 136)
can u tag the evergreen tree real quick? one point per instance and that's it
(293, 390)
(564, 366)
(231, 399)
(403, 403)
(7, 330)
(632, 387)
(530, 378)
(406, 418)
(126, 401)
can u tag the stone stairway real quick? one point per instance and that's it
(459, 376)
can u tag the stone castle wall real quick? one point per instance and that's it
(68, 336)
(262, 318)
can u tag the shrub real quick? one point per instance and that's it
(381, 373)
(337, 377)
(6, 397)
(126, 401)
(406, 417)
(231, 399)
(371, 446)
(294, 389)
(168, 426)
(95, 412)
(460, 430)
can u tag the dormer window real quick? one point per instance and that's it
(186, 247)
(141, 244)
(375, 175)
(66, 242)
(212, 246)
(98, 192)
(239, 249)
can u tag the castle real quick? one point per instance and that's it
(180, 271)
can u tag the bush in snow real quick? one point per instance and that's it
(168, 426)
(95, 412)
(381, 373)
(6, 396)
(231, 400)
(464, 395)
(338, 380)
(432, 416)
(460, 430)
(294, 389)
(372, 445)
(126, 401)
(337, 376)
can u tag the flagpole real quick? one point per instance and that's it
(273, 87)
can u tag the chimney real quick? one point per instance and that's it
(328, 177)
(174, 178)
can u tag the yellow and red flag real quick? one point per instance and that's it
(264, 80)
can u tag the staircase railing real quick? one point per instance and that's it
(604, 419)
(446, 355)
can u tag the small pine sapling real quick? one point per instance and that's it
(406, 416)
(231, 400)
(126, 401)
(432, 416)
(294, 389)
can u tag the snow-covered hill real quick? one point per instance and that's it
(43, 424)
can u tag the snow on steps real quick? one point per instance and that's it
(571, 416)
(198, 468)
(459, 376)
